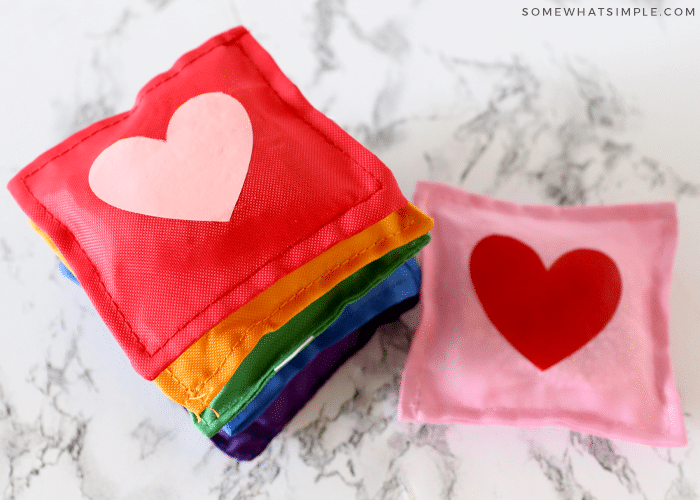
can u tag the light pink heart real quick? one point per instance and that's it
(197, 173)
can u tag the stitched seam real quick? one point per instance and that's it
(128, 113)
(228, 291)
(323, 276)
(215, 412)
(294, 112)
(249, 328)
(99, 278)
(303, 238)
(232, 42)
(189, 391)
(247, 331)
(70, 233)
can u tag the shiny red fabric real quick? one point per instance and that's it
(159, 284)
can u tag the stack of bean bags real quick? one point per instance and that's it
(238, 244)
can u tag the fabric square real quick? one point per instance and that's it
(160, 283)
(298, 392)
(543, 315)
(401, 285)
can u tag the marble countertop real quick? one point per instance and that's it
(557, 110)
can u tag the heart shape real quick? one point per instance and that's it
(545, 314)
(196, 174)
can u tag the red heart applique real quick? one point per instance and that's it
(546, 314)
